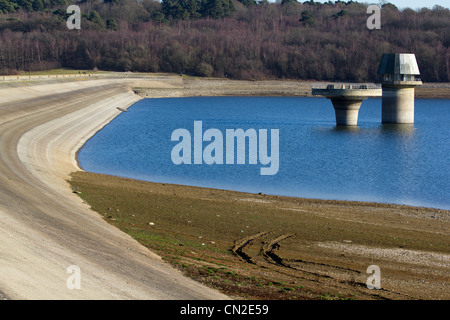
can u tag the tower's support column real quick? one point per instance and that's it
(346, 111)
(397, 104)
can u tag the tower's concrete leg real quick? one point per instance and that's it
(347, 101)
(346, 111)
(397, 105)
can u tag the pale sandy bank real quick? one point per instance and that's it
(44, 228)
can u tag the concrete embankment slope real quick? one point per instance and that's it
(44, 228)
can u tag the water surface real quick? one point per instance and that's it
(404, 164)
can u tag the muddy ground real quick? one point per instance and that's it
(256, 246)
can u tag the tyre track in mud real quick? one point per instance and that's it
(333, 276)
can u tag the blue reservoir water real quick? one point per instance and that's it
(403, 164)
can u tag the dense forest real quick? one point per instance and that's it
(245, 39)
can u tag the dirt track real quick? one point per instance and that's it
(44, 228)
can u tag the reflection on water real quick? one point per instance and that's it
(401, 129)
(346, 128)
(406, 164)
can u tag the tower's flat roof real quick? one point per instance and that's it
(349, 94)
(398, 63)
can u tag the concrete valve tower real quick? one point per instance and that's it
(399, 78)
(346, 100)
(399, 73)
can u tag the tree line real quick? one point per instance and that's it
(244, 39)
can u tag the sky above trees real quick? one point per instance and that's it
(413, 4)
